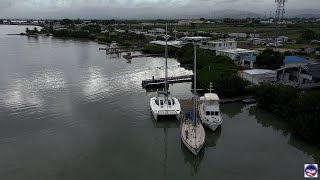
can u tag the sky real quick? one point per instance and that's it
(132, 9)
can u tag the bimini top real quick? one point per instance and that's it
(211, 97)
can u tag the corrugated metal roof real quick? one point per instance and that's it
(258, 71)
(314, 70)
(250, 58)
(294, 59)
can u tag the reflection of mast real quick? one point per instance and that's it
(165, 130)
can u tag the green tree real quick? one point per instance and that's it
(35, 30)
(27, 30)
(66, 21)
(270, 59)
(288, 53)
(308, 35)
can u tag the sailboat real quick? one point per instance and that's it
(192, 132)
(209, 110)
(164, 104)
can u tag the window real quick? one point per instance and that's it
(173, 103)
(208, 113)
(157, 101)
(161, 102)
(217, 113)
(214, 45)
(212, 113)
(230, 44)
(219, 45)
(169, 103)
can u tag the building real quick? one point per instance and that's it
(256, 41)
(238, 35)
(254, 35)
(248, 61)
(259, 76)
(196, 21)
(184, 22)
(177, 44)
(282, 39)
(291, 72)
(157, 31)
(199, 40)
(236, 54)
(219, 45)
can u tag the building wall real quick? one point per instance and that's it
(259, 78)
(219, 46)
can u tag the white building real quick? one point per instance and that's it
(238, 35)
(236, 54)
(199, 40)
(184, 22)
(282, 39)
(157, 31)
(258, 76)
(256, 41)
(219, 45)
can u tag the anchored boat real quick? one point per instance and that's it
(164, 104)
(192, 132)
(209, 110)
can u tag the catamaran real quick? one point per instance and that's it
(192, 132)
(209, 110)
(164, 104)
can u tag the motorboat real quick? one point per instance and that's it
(209, 110)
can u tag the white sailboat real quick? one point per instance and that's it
(164, 104)
(209, 110)
(192, 132)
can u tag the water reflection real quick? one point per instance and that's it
(309, 149)
(212, 137)
(96, 84)
(232, 109)
(189, 158)
(269, 120)
(165, 123)
(20, 95)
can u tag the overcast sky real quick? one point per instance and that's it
(136, 8)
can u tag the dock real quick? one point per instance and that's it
(160, 81)
(187, 105)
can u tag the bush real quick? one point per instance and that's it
(300, 109)
(270, 59)
(220, 70)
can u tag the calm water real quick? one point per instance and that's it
(68, 111)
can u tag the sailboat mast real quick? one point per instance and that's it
(195, 85)
(195, 94)
(166, 65)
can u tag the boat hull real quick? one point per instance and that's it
(212, 126)
(194, 151)
(156, 112)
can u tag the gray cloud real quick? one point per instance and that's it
(136, 8)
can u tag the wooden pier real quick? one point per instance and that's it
(160, 81)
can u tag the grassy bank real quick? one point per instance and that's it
(301, 110)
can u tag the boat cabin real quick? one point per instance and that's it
(160, 100)
(211, 104)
